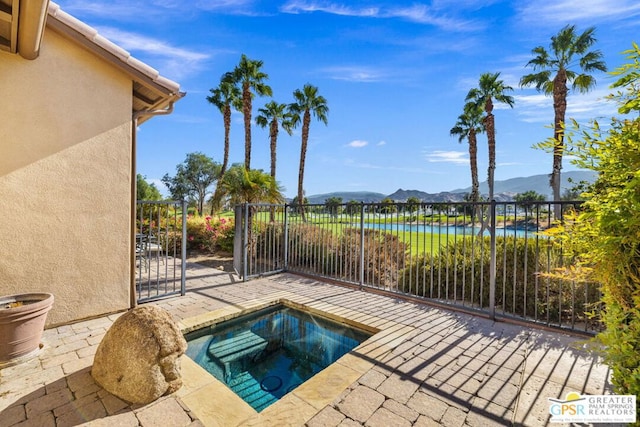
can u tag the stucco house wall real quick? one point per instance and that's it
(65, 179)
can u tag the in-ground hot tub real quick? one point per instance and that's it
(263, 355)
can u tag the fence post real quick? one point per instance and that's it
(492, 263)
(361, 244)
(245, 242)
(285, 225)
(237, 239)
(183, 251)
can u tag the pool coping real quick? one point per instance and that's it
(216, 405)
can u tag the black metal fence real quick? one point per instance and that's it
(160, 249)
(491, 257)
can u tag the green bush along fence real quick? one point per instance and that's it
(440, 252)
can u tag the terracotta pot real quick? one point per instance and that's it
(22, 320)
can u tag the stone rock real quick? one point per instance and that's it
(138, 359)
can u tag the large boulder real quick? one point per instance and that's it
(138, 359)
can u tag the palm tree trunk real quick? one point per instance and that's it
(215, 202)
(491, 138)
(246, 112)
(489, 125)
(560, 91)
(227, 131)
(303, 153)
(473, 161)
(475, 183)
(274, 138)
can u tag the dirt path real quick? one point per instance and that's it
(220, 260)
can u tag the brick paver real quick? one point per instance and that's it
(166, 412)
(361, 403)
(385, 418)
(328, 417)
(449, 369)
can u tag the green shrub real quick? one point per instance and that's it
(460, 271)
(385, 256)
(318, 250)
(605, 236)
(311, 249)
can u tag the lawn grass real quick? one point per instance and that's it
(418, 242)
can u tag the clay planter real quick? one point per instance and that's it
(22, 320)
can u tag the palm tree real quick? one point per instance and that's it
(468, 125)
(490, 88)
(553, 72)
(223, 97)
(251, 186)
(274, 115)
(307, 102)
(248, 75)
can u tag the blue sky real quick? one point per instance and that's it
(394, 73)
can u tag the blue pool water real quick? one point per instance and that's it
(264, 355)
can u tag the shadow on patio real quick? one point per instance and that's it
(427, 366)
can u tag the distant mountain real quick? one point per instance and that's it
(346, 196)
(537, 183)
(504, 190)
(442, 197)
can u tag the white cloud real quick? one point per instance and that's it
(354, 73)
(298, 6)
(563, 11)
(172, 61)
(127, 10)
(237, 7)
(116, 10)
(456, 157)
(423, 14)
(538, 108)
(419, 13)
(381, 143)
(137, 42)
(357, 144)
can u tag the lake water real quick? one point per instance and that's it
(452, 230)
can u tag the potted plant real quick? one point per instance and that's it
(22, 319)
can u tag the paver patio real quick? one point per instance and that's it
(426, 366)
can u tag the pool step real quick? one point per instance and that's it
(248, 388)
(234, 348)
(233, 354)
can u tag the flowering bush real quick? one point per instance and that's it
(209, 234)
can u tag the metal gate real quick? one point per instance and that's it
(160, 248)
(259, 242)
